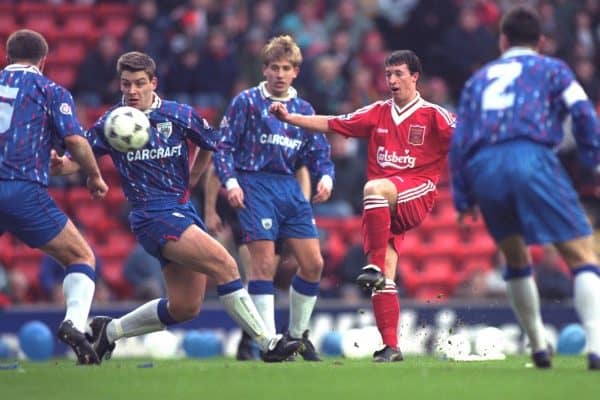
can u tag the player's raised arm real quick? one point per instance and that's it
(314, 123)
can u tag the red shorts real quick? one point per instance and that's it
(415, 200)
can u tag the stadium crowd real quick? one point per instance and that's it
(208, 51)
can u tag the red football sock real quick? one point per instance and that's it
(386, 307)
(376, 228)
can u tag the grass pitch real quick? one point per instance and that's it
(415, 378)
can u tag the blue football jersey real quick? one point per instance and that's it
(521, 95)
(251, 139)
(157, 175)
(36, 115)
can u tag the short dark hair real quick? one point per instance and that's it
(407, 57)
(26, 45)
(521, 26)
(134, 61)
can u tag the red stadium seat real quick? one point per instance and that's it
(8, 24)
(80, 27)
(116, 26)
(106, 10)
(64, 75)
(69, 51)
(42, 23)
(112, 273)
(90, 216)
(27, 8)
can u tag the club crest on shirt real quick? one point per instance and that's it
(416, 135)
(165, 128)
(267, 223)
(65, 108)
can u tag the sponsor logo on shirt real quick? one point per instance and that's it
(65, 109)
(416, 134)
(165, 128)
(385, 159)
(154, 154)
(178, 215)
(280, 140)
(382, 130)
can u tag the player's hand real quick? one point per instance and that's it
(279, 110)
(472, 212)
(56, 163)
(97, 187)
(235, 196)
(323, 192)
(213, 223)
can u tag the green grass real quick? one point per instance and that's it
(415, 378)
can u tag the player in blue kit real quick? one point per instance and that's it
(36, 115)
(256, 161)
(502, 161)
(155, 183)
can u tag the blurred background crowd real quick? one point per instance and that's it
(209, 50)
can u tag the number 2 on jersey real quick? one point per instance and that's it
(495, 96)
(6, 109)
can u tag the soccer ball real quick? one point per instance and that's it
(127, 129)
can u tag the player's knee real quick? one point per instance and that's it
(225, 268)
(314, 268)
(379, 187)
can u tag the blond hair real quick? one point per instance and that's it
(282, 48)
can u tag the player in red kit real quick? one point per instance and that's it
(408, 145)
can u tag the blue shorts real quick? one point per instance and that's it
(154, 227)
(522, 188)
(275, 208)
(28, 212)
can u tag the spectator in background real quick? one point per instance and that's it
(139, 39)
(346, 199)
(467, 46)
(158, 26)
(585, 71)
(346, 16)
(361, 91)
(144, 274)
(306, 27)
(250, 62)
(219, 70)
(372, 55)
(185, 64)
(327, 91)
(342, 51)
(264, 14)
(96, 83)
(51, 274)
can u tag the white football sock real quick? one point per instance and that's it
(301, 308)
(525, 300)
(587, 303)
(265, 304)
(143, 319)
(78, 290)
(240, 307)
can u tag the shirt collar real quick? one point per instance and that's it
(23, 67)
(291, 94)
(519, 51)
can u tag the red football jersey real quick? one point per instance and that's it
(411, 141)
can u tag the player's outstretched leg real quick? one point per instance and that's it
(99, 339)
(388, 354)
(371, 278)
(75, 339)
